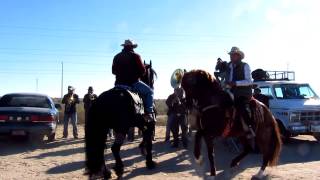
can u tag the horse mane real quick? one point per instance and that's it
(200, 80)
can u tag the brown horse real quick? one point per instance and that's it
(216, 117)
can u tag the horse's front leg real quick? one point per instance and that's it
(119, 139)
(197, 147)
(244, 153)
(147, 142)
(210, 149)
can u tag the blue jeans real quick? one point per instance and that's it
(146, 94)
(74, 121)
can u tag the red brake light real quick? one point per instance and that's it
(47, 118)
(4, 118)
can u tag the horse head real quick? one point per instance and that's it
(199, 83)
(150, 74)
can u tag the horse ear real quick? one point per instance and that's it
(150, 63)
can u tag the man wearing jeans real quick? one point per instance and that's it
(128, 68)
(70, 101)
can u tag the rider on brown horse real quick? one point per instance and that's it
(240, 82)
(128, 68)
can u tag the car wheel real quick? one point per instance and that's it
(52, 137)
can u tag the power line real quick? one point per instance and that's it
(117, 32)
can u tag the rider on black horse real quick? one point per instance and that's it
(239, 79)
(128, 68)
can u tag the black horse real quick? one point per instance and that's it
(118, 109)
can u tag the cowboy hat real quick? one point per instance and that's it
(90, 88)
(236, 50)
(129, 42)
(70, 88)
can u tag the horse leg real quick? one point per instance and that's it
(119, 139)
(197, 148)
(210, 149)
(259, 175)
(147, 142)
(244, 153)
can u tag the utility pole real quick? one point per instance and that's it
(62, 79)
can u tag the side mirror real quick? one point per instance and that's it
(58, 106)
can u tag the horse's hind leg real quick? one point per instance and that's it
(119, 139)
(210, 150)
(197, 147)
(245, 152)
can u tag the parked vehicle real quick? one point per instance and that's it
(295, 105)
(28, 114)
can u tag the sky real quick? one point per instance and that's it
(37, 37)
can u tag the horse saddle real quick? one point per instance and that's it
(136, 100)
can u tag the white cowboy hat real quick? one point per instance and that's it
(129, 42)
(236, 50)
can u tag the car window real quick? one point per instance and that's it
(25, 101)
(278, 92)
(266, 91)
(294, 91)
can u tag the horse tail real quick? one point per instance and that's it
(95, 135)
(275, 142)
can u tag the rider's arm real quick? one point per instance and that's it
(140, 67)
(247, 77)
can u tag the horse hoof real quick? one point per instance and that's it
(255, 177)
(119, 170)
(234, 164)
(107, 174)
(199, 160)
(151, 164)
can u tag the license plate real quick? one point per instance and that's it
(18, 133)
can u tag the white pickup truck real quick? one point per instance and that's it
(295, 105)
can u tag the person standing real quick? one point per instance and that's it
(70, 101)
(261, 97)
(177, 117)
(88, 100)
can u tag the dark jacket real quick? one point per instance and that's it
(88, 100)
(174, 107)
(70, 105)
(238, 75)
(128, 67)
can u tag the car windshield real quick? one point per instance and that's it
(24, 101)
(294, 91)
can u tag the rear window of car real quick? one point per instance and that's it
(25, 101)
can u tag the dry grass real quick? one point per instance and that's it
(160, 106)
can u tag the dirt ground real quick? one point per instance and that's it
(64, 159)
